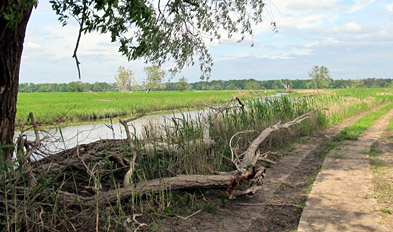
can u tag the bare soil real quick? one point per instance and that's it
(341, 196)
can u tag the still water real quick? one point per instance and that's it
(69, 137)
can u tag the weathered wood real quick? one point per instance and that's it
(247, 178)
(251, 156)
(248, 169)
(287, 86)
(127, 178)
(182, 182)
(214, 116)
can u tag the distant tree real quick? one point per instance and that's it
(276, 84)
(252, 85)
(340, 84)
(231, 86)
(320, 77)
(182, 84)
(155, 76)
(63, 88)
(358, 84)
(74, 86)
(124, 79)
(23, 87)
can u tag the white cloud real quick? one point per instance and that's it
(310, 21)
(349, 27)
(32, 46)
(360, 4)
(390, 7)
(311, 4)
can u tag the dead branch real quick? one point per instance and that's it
(127, 177)
(181, 182)
(189, 216)
(234, 156)
(251, 156)
(37, 140)
(225, 106)
(287, 86)
(30, 151)
(218, 110)
(248, 168)
(129, 221)
(247, 180)
(266, 160)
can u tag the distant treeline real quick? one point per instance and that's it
(249, 84)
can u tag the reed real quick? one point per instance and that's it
(40, 208)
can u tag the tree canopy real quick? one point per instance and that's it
(160, 31)
(320, 76)
(154, 77)
(124, 79)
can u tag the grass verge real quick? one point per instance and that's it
(381, 162)
(353, 131)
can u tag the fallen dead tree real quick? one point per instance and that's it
(246, 179)
(86, 181)
(206, 141)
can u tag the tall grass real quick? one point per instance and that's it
(194, 158)
(40, 208)
(344, 103)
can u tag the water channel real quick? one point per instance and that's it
(68, 137)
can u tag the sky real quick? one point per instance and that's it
(353, 38)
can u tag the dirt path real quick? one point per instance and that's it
(341, 197)
(277, 207)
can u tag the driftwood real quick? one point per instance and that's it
(245, 180)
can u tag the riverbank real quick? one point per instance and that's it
(78, 108)
(84, 188)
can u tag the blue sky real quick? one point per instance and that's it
(354, 39)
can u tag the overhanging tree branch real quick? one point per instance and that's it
(81, 29)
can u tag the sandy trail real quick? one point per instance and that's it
(341, 197)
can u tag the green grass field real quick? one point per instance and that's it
(60, 107)
(82, 107)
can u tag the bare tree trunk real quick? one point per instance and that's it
(11, 47)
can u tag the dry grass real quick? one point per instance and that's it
(381, 156)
